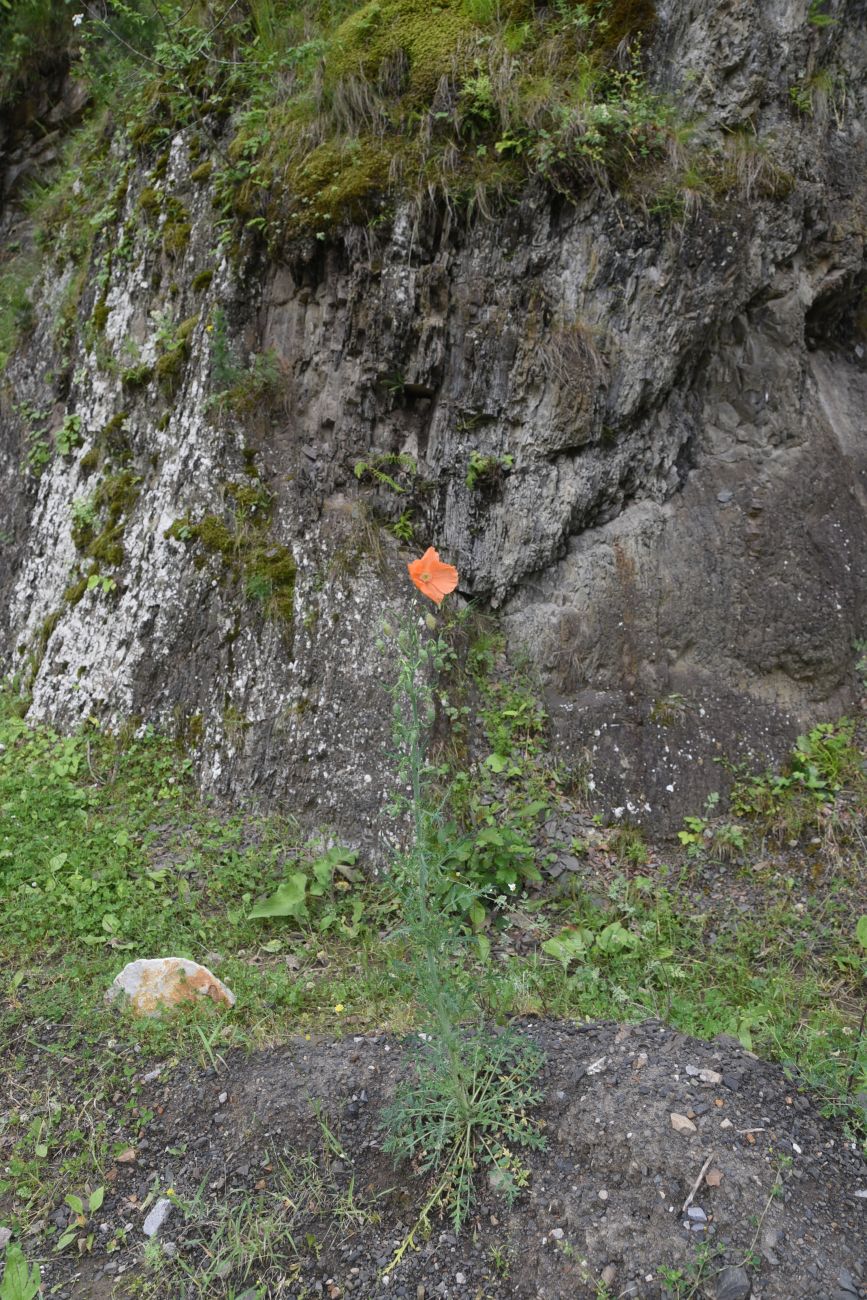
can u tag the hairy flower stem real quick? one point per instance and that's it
(417, 882)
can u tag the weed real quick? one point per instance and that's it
(628, 843)
(790, 801)
(486, 473)
(470, 1098)
(376, 470)
(19, 1282)
(402, 528)
(452, 1116)
(18, 270)
(69, 435)
(818, 17)
(669, 710)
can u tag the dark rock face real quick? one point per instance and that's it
(668, 412)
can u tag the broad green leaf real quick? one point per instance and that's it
(615, 938)
(861, 931)
(571, 945)
(18, 1282)
(75, 1203)
(497, 762)
(96, 1199)
(287, 899)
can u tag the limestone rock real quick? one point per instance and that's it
(156, 983)
(157, 1217)
(681, 1124)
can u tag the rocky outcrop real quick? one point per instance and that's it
(634, 421)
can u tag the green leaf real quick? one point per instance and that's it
(66, 1240)
(477, 914)
(615, 938)
(861, 932)
(496, 762)
(287, 899)
(484, 946)
(75, 1203)
(96, 1199)
(41, 1150)
(571, 945)
(18, 1282)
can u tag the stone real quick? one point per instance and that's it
(157, 1217)
(681, 1124)
(733, 1283)
(5, 1237)
(625, 425)
(709, 1076)
(151, 985)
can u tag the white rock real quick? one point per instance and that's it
(709, 1076)
(157, 1217)
(5, 1237)
(155, 983)
(681, 1124)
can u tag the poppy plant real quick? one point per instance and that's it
(433, 578)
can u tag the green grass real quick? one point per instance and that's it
(106, 855)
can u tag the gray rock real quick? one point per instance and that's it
(733, 1283)
(5, 1237)
(157, 1217)
(637, 377)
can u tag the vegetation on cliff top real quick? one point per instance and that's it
(319, 112)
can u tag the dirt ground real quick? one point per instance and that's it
(290, 1138)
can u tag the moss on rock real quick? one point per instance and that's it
(427, 35)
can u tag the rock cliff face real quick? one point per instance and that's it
(636, 423)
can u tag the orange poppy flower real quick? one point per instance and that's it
(432, 577)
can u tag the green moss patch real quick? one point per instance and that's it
(427, 36)
(98, 526)
(263, 568)
(201, 281)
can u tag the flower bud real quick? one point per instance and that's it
(431, 622)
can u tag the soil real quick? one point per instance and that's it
(603, 1213)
